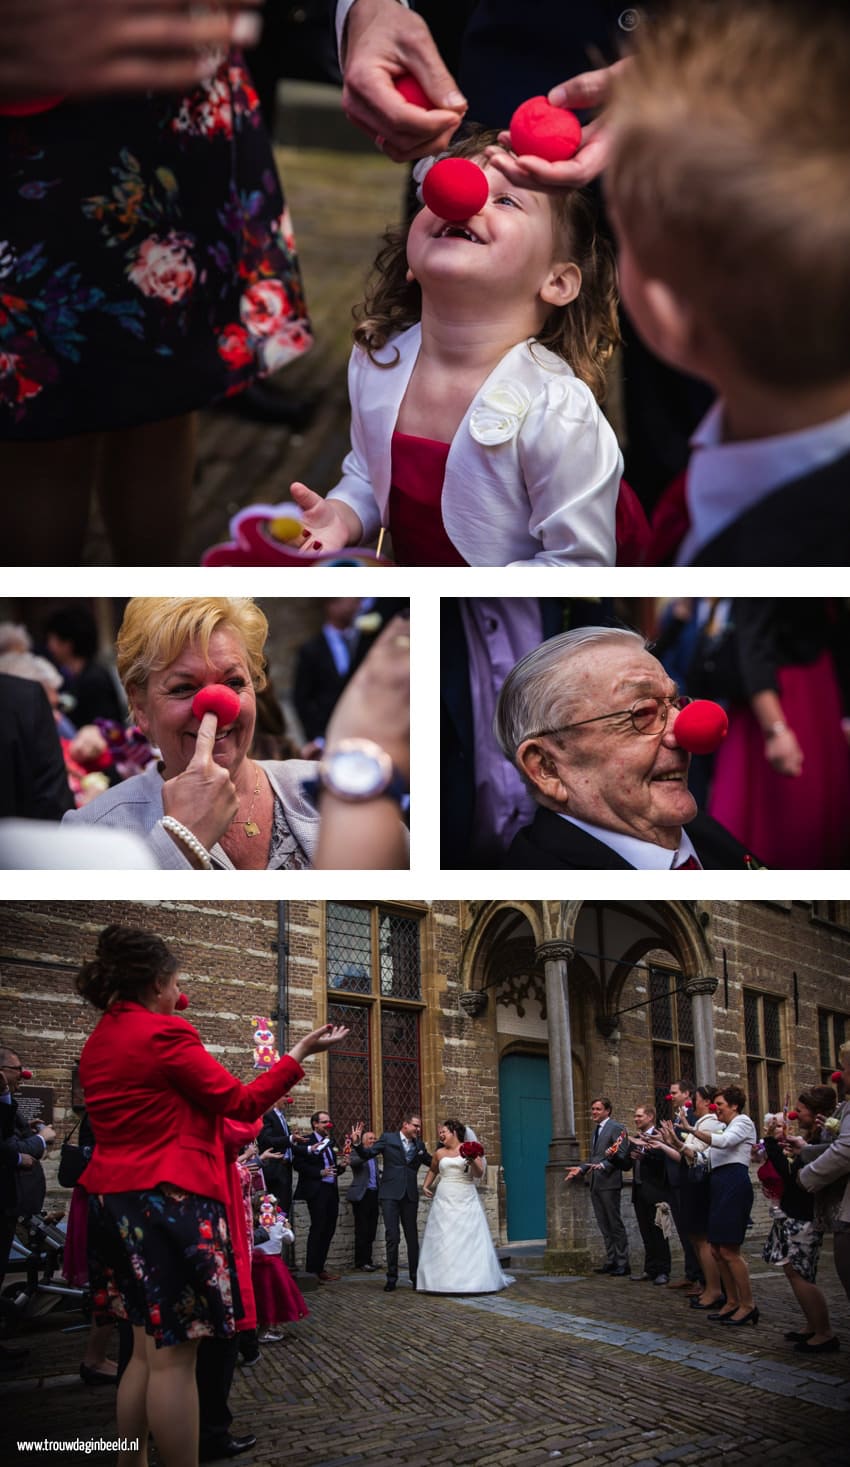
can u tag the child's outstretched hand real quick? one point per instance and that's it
(325, 525)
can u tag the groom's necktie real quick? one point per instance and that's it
(690, 865)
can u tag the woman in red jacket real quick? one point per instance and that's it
(160, 1248)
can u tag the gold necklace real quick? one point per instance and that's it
(250, 826)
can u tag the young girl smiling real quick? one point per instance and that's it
(479, 363)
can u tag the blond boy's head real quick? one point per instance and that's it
(729, 186)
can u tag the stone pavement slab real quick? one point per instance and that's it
(577, 1371)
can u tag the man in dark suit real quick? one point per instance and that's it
(589, 719)
(603, 1173)
(24, 1185)
(33, 781)
(324, 665)
(363, 1196)
(403, 1154)
(649, 1187)
(316, 1163)
(275, 1136)
(681, 1098)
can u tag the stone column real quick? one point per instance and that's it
(567, 1206)
(700, 991)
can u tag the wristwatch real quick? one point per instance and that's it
(358, 769)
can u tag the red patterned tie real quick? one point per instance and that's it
(690, 865)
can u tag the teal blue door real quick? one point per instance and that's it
(526, 1131)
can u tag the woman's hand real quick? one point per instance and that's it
(87, 47)
(203, 797)
(328, 523)
(783, 753)
(589, 89)
(325, 1037)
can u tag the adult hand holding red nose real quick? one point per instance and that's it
(203, 797)
(701, 727)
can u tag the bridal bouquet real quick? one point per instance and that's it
(470, 1151)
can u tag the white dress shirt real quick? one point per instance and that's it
(726, 479)
(644, 855)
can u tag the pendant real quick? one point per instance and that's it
(251, 827)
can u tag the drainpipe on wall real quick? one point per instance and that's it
(281, 1014)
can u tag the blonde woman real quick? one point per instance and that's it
(206, 803)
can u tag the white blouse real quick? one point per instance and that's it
(733, 1143)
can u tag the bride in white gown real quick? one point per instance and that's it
(457, 1254)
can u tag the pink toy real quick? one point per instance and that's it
(701, 727)
(262, 534)
(217, 699)
(412, 91)
(455, 189)
(544, 131)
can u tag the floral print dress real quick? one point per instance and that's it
(147, 264)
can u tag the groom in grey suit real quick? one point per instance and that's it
(403, 1154)
(604, 1174)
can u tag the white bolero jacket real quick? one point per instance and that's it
(533, 472)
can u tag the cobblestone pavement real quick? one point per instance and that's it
(590, 1370)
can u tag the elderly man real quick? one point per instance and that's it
(589, 720)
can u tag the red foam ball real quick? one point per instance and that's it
(792, 1115)
(26, 1074)
(217, 699)
(455, 189)
(836, 1075)
(701, 727)
(182, 1002)
(545, 131)
(412, 91)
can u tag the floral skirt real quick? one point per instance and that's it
(793, 1241)
(147, 265)
(163, 1259)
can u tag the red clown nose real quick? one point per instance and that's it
(544, 131)
(455, 189)
(217, 699)
(701, 727)
(792, 1115)
(412, 91)
(182, 1002)
(836, 1075)
(26, 1074)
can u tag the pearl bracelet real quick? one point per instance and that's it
(185, 836)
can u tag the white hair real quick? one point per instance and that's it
(14, 637)
(34, 669)
(536, 694)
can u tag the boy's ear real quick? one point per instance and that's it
(562, 284)
(676, 335)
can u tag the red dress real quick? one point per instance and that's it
(416, 524)
(278, 1297)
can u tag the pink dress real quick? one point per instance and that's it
(791, 824)
(277, 1295)
(416, 524)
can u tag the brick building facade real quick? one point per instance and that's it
(469, 1009)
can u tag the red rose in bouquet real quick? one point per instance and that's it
(470, 1151)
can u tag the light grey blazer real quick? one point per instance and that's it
(832, 1164)
(136, 805)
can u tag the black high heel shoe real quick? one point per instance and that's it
(722, 1318)
(751, 1318)
(715, 1303)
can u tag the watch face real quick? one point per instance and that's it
(355, 772)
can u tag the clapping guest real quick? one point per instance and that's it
(730, 1201)
(159, 1236)
(794, 1241)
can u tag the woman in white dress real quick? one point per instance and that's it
(457, 1254)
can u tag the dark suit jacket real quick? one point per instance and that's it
(552, 844)
(26, 1194)
(309, 1166)
(399, 1175)
(317, 685)
(806, 522)
(649, 1176)
(610, 1179)
(33, 782)
(275, 1134)
(360, 1176)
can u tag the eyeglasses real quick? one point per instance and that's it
(18, 1069)
(648, 716)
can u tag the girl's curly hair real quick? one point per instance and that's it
(584, 332)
